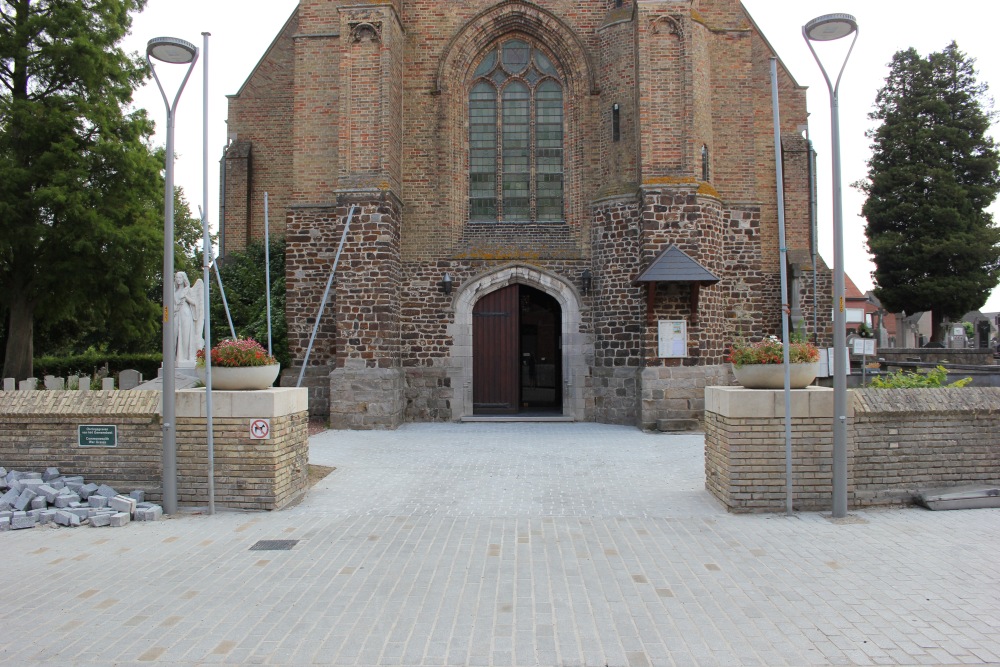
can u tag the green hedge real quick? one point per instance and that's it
(90, 363)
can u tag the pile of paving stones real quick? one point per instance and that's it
(32, 499)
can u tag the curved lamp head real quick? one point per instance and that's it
(829, 27)
(171, 50)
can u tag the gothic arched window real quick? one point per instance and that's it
(516, 136)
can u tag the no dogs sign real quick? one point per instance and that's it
(260, 429)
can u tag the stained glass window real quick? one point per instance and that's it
(516, 136)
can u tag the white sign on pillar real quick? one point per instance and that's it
(672, 338)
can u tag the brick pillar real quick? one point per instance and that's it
(367, 384)
(618, 307)
(236, 205)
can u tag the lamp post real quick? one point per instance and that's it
(178, 52)
(827, 28)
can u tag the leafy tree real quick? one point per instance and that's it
(80, 186)
(244, 281)
(932, 174)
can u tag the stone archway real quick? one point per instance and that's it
(575, 348)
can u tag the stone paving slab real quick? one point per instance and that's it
(511, 544)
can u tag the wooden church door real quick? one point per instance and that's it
(495, 347)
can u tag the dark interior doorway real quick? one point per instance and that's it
(517, 353)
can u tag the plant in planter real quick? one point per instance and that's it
(760, 365)
(239, 364)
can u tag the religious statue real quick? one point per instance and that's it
(189, 318)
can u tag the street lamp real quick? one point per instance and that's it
(176, 52)
(825, 29)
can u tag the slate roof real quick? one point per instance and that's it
(673, 265)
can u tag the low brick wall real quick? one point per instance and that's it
(38, 429)
(907, 440)
(899, 442)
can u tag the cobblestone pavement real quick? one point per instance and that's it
(509, 544)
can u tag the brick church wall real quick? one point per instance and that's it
(260, 115)
(378, 117)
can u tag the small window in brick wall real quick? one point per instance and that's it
(616, 123)
(516, 136)
(704, 163)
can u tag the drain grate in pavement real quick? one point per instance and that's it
(274, 545)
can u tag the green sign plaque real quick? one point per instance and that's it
(98, 435)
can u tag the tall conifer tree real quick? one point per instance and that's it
(79, 183)
(932, 174)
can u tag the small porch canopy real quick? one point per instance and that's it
(673, 265)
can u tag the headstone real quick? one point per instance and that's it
(107, 384)
(84, 384)
(72, 382)
(53, 383)
(129, 379)
(30, 384)
(9, 384)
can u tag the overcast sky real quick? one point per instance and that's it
(241, 31)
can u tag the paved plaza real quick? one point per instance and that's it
(509, 544)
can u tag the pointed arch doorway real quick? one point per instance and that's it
(517, 352)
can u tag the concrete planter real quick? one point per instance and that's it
(772, 376)
(243, 378)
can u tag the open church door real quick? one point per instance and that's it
(495, 352)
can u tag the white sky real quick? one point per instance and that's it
(241, 31)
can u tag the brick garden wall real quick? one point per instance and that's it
(38, 429)
(899, 442)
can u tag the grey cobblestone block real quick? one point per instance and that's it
(49, 491)
(118, 519)
(22, 520)
(106, 491)
(99, 520)
(6, 513)
(4, 523)
(31, 483)
(87, 490)
(122, 504)
(65, 500)
(138, 494)
(30, 475)
(8, 499)
(64, 518)
(14, 483)
(39, 503)
(97, 501)
(47, 516)
(79, 512)
(50, 474)
(24, 499)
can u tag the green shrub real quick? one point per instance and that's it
(918, 380)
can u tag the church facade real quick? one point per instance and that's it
(559, 208)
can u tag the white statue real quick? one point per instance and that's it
(189, 315)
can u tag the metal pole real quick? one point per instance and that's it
(783, 262)
(169, 335)
(206, 279)
(839, 314)
(326, 294)
(225, 304)
(267, 271)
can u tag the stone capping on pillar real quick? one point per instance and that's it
(273, 402)
(739, 402)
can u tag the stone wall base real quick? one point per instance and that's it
(317, 380)
(677, 392)
(367, 398)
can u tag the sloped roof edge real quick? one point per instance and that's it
(673, 265)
